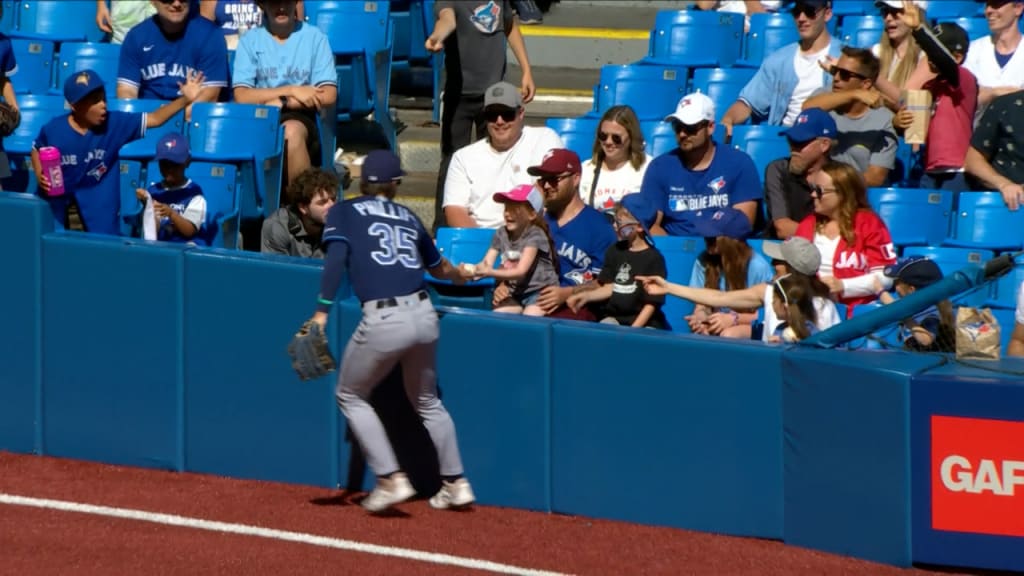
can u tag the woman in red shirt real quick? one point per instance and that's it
(854, 243)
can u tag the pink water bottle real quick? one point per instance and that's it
(49, 157)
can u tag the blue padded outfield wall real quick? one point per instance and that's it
(170, 357)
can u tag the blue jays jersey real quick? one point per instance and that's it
(581, 245)
(388, 247)
(89, 164)
(155, 64)
(236, 16)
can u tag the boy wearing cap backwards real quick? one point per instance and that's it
(178, 203)
(932, 330)
(89, 139)
(955, 99)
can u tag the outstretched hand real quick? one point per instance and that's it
(192, 86)
(653, 285)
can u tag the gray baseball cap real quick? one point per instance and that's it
(503, 94)
(799, 253)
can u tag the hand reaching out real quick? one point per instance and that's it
(192, 86)
(653, 285)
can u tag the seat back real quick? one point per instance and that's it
(722, 85)
(984, 221)
(101, 57)
(697, 38)
(35, 65)
(578, 134)
(652, 91)
(467, 245)
(763, 147)
(36, 111)
(950, 9)
(975, 27)
(219, 182)
(768, 32)
(862, 31)
(145, 147)
(1004, 294)
(914, 216)
(843, 8)
(680, 253)
(659, 137)
(59, 20)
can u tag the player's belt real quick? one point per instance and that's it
(393, 302)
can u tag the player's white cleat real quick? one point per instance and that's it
(456, 494)
(388, 492)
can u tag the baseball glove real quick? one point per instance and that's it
(10, 118)
(309, 353)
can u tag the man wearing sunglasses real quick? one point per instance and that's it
(786, 191)
(498, 162)
(160, 52)
(993, 59)
(791, 74)
(698, 175)
(866, 138)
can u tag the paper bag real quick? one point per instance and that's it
(977, 334)
(918, 102)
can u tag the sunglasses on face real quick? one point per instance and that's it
(169, 2)
(819, 191)
(506, 114)
(808, 11)
(845, 74)
(890, 11)
(616, 138)
(689, 129)
(552, 180)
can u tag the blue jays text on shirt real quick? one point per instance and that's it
(94, 154)
(268, 75)
(581, 261)
(159, 70)
(679, 201)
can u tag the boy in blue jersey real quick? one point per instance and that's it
(89, 139)
(385, 248)
(160, 52)
(178, 205)
(698, 175)
(290, 64)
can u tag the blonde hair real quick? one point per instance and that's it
(623, 116)
(906, 66)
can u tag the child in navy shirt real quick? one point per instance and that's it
(177, 204)
(932, 330)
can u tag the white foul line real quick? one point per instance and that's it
(283, 535)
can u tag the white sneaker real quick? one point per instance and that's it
(389, 492)
(456, 494)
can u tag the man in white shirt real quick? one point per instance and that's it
(993, 59)
(495, 164)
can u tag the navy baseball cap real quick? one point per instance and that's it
(381, 166)
(952, 36)
(810, 124)
(173, 148)
(81, 84)
(641, 208)
(917, 271)
(728, 222)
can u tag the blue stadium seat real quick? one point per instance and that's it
(1007, 324)
(762, 143)
(768, 32)
(652, 91)
(842, 8)
(57, 20)
(98, 56)
(862, 31)
(975, 27)
(950, 9)
(144, 148)
(952, 259)
(578, 134)
(249, 137)
(741, 135)
(722, 85)
(983, 221)
(1004, 294)
(132, 175)
(888, 337)
(414, 21)
(36, 111)
(680, 253)
(659, 137)
(8, 22)
(361, 37)
(695, 39)
(469, 246)
(35, 65)
(915, 216)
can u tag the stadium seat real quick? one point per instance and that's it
(945, 10)
(36, 111)
(469, 246)
(659, 137)
(680, 253)
(862, 31)
(652, 91)
(884, 339)
(131, 175)
(695, 39)
(762, 143)
(975, 27)
(915, 216)
(360, 34)
(1004, 293)
(98, 56)
(249, 137)
(56, 20)
(741, 135)
(578, 134)
(722, 85)
(843, 8)
(983, 221)
(414, 21)
(952, 259)
(144, 148)
(35, 65)
(768, 32)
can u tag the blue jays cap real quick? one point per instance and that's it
(728, 222)
(173, 147)
(381, 166)
(917, 271)
(641, 208)
(810, 124)
(81, 84)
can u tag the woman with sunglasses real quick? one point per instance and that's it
(619, 162)
(899, 54)
(854, 242)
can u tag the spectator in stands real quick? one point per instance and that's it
(473, 35)
(581, 234)
(898, 53)
(933, 329)
(174, 209)
(993, 59)
(296, 229)
(628, 304)
(496, 163)
(996, 155)
(619, 162)
(955, 96)
(89, 139)
(1016, 345)
(791, 74)
(854, 242)
(727, 263)
(745, 7)
(793, 304)
(787, 194)
(160, 52)
(8, 68)
(236, 17)
(288, 63)
(118, 18)
(866, 138)
(699, 175)
(796, 255)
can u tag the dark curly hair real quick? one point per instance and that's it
(309, 183)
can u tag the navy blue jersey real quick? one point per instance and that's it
(388, 247)
(155, 64)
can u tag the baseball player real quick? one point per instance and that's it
(385, 249)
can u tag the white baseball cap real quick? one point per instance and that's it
(693, 109)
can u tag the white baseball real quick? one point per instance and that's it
(788, 335)
(469, 268)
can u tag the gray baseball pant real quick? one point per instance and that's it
(408, 334)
